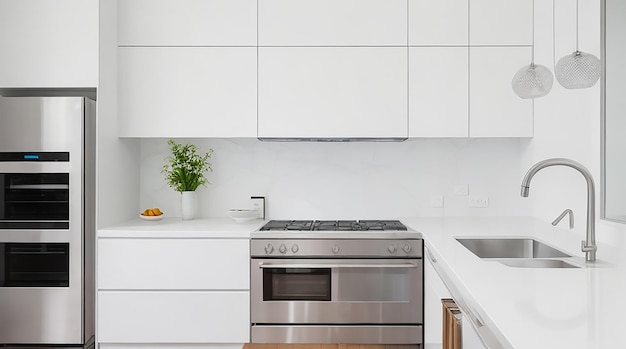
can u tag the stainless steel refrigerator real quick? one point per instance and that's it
(47, 221)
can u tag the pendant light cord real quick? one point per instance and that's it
(532, 47)
(553, 35)
(576, 25)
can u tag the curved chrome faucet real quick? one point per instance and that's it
(589, 245)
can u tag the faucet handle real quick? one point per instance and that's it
(562, 215)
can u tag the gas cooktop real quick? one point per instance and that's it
(330, 225)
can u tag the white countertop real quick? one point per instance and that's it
(534, 308)
(223, 228)
(522, 308)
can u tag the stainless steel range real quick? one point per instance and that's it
(336, 282)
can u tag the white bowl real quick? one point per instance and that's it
(243, 215)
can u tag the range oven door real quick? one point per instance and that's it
(336, 291)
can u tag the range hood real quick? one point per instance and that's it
(333, 139)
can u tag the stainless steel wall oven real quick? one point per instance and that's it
(336, 287)
(47, 221)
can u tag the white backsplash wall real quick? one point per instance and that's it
(567, 123)
(359, 180)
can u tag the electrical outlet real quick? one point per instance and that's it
(436, 201)
(479, 201)
(461, 190)
(258, 203)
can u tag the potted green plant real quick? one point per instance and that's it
(185, 172)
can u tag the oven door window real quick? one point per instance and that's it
(34, 264)
(34, 200)
(299, 284)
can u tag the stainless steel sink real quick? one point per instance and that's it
(537, 263)
(510, 248)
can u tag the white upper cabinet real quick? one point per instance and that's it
(438, 90)
(332, 92)
(332, 22)
(49, 44)
(186, 22)
(497, 22)
(438, 23)
(495, 110)
(187, 92)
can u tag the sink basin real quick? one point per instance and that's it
(510, 248)
(537, 263)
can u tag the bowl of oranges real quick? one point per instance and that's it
(151, 214)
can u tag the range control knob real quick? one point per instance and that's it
(269, 249)
(335, 249)
(391, 248)
(406, 248)
(282, 249)
(295, 248)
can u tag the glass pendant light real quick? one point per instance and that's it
(579, 69)
(533, 80)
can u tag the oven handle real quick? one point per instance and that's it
(336, 265)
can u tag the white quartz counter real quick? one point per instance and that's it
(531, 308)
(521, 308)
(223, 228)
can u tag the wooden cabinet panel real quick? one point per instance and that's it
(166, 264)
(332, 22)
(48, 44)
(173, 317)
(187, 92)
(337, 92)
(438, 23)
(438, 92)
(187, 22)
(495, 110)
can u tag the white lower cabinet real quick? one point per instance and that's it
(173, 291)
(173, 317)
(470, 338)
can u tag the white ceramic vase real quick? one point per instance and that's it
(188, 205)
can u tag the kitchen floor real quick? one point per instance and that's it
(326, 346)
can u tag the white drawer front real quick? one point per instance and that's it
(135, 264)
(173, 317)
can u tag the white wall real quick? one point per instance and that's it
(361, 180)
(117, 169)
(567, 122)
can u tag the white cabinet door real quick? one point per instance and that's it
(495, 110)
(187, 22)
(150, 264)
(336, 92)
(332, 22)
(438, 23)
(48, 44)
(187, 92)
(470, 338)
(434, 291)
(173, 317)
(438, 92)
(497, 22)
